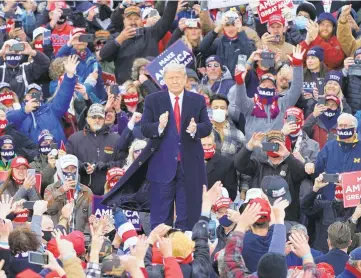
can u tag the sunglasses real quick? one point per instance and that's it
(96, 117)
(101, 42)
(138, 151)
(213, 65)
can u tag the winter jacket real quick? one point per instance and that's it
(352, 93)
(334, 55)
(18, 192)
(24, 146)
(100, 148)
(335, 257)
(293, 260)
(309, 81)
(316, 130)
(47, 116)
(85, 68)
(325, 212)
(344, 35)
(57, 199)
(240, 103)
(41, 165)
(143, 46)
(20, 77)
(200, 267)
(291, 169)
(222, 238)
(337, 157)
(221, 86)
(295, 36)
(227, 49)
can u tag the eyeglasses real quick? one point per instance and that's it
(101, 42)
(97, 117)
(213, 65)
(138, 151)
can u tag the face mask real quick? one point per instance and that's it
(7, 154)
(266, 92)
(272, 154)
(345, 133)
(329, 113)
(131, 100)
(69, 176)
(301, 22)
(3, 124)
(7, 98)
(61, 20)
(209, 153)
(224, 221)
(297, 131)
(13, 60)
(45, 149)
(47, 235)
(219, 115)
(97, 127)
(38, 45)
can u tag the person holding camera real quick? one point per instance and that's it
(134, 41)
(352, 73)
(19, 74)
(280, 162)
(66, 189)
(35, 115)
(233, 43)
(339, 156)
(88, 66)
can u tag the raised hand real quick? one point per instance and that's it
(297, 53)
(5, 206)
(136, 117)
(40, 207)
(70, 65)
(210, 197)
(165, 247)
(310, 168)
(161, 230)
(249, 216)
(256, 140)
(288, 128)
(278, 209)
(319, 183)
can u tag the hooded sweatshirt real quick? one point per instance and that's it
(221, 86)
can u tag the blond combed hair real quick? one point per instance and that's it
(182, 245)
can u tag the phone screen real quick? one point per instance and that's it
(242, 59)
(31, 172)
(38, 258)
(320, 85)
(46, 37)
(268, 146)
(29, 204)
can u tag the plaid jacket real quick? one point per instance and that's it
(232, 142)
(235, 266)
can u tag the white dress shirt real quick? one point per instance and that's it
(180, 101)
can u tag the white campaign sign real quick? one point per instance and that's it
(215, 4)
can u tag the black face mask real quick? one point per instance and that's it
(47, 235)
(61, 20)
(104, 12)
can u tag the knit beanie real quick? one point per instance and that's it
(334, 75)
(318, 52)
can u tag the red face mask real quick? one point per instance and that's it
(9, 25)
(131, 99)
(209, 153)
(3, 124)
(272, 154)
(38, 45)
(113, 182)
(7, 98)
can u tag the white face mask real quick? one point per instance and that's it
(219, 115)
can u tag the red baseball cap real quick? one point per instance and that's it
(265, 209)
(276, 18)
(19, 161)
(334, 98)
(77, 31)
(221, 202)
(76, 237)
(28, 273)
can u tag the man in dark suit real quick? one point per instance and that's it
(219, 167)
(175, 120)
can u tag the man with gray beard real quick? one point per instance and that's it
(96, 148)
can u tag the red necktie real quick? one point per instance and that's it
(177, 113)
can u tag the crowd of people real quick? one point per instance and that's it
(234, 166)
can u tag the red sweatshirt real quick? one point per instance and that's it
(334, 54)
(60, 37)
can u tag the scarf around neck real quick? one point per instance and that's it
(259, 109)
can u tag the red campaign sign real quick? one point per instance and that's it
(108, 78)
(351, 184)
(267, 8)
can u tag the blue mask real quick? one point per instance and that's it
(45, 149)
(345, 133)
(7, 154)
(13, 60)
(266, 92)
(69, 176)
(224, 221)
(301, 22)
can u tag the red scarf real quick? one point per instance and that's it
(258, 108)
(260, 72)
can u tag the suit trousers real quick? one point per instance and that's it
(163, 196)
